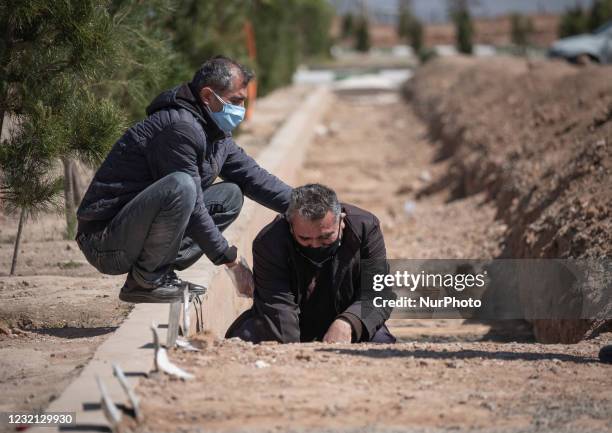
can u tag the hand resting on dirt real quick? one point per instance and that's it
(241, 277)
(339, 332)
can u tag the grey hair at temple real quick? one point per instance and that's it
(218, 72)
(312, 202)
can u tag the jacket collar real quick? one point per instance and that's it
(185, 97)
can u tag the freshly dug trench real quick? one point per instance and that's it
(537, 139)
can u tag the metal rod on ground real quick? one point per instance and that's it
(112, 414)
(173, 324)
(128, 391)
(186, 305)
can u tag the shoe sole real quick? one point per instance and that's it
(199, 292)
(146, 297)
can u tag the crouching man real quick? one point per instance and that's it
(307, 270)
(153, 207)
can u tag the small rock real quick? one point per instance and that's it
(303, 356)
(321, 130)
(425, 176)
(5, 330)
(488, 405)
(261, 364)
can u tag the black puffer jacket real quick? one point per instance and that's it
(178, 135)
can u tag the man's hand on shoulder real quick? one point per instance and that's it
(340, 331)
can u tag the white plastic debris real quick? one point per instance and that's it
(186, 345)
(162, 363)
(409, 207)
(241, 276)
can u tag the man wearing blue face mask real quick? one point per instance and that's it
(308, 265)
(153, 207)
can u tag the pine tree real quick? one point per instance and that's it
(362, 34)
(573, 22)
(601, 13)
(202, 29)
(348, 25)
(521, 28)
(409, 27)
(56, 57)
(464, 30)
(314, 21)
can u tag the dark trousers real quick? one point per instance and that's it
(150, 235)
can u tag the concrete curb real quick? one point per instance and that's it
(130, 346)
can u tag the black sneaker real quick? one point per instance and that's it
(166, 292)
(605, 354)
(195, 289)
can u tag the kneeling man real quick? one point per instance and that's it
(307, 270)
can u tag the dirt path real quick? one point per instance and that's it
(442, 376)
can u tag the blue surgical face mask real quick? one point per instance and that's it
(229, 117)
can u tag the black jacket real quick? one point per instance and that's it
(178, 135)
(282, 277)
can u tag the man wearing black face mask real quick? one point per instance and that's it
(307, 270)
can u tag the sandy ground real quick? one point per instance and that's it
(443, 375)
(53, 314)
(536, 139)
(58, 309)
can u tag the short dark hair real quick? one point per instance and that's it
(313, 201)
(218, 72)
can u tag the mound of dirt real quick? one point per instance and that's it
(536, 137)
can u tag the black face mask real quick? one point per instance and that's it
(320, 255)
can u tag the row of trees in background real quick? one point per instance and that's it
(521, 28)
(357, 28)
(74, 73)
(410, 28)
(579, 20)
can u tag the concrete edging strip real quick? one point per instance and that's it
(130, 345)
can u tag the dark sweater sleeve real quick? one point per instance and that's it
(369, 317)
(175, 151)
(274, 302)
(256, 183)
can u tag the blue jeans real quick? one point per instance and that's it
(150, 235)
